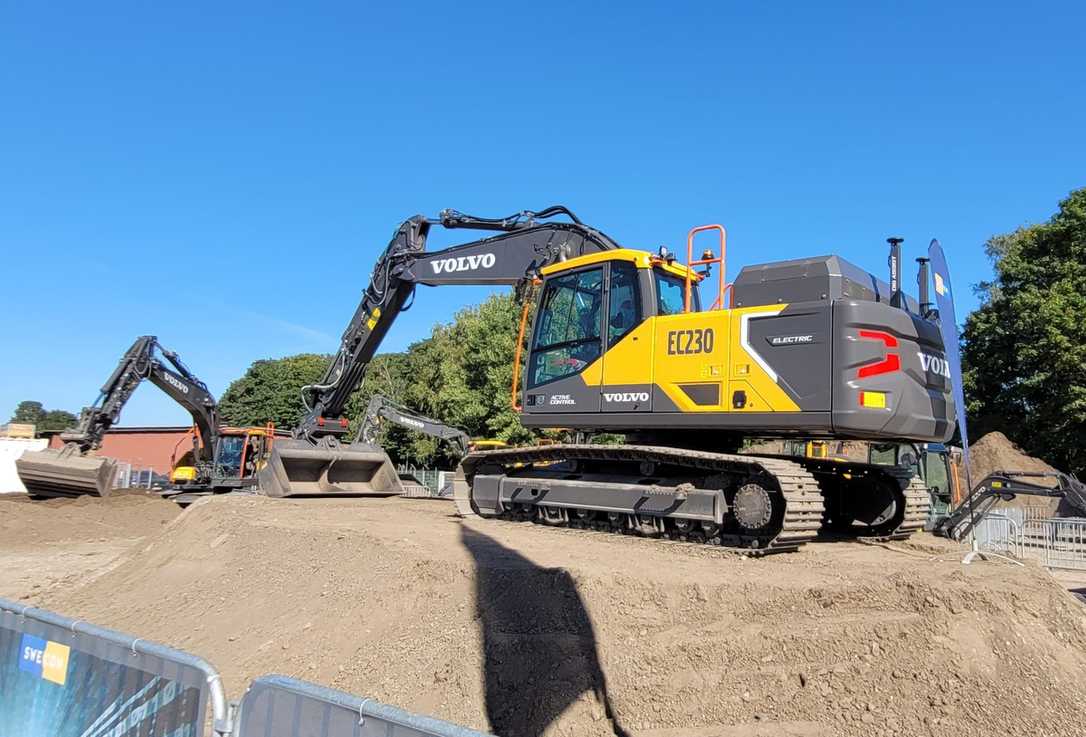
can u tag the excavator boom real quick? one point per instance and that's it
(315, 462)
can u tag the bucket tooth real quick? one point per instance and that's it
(63, 473)
(296, 468)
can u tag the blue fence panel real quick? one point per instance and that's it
(64, 678)
(277, 706)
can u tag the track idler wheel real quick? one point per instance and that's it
(753, 507)
(756, 514)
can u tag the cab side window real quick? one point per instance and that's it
(624, 313)
(671, 293)
(568, 336)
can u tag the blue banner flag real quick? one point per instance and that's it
(948, 326)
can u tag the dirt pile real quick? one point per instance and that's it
(126, 515)
(995, 452)
(63, 543)
(527, 630)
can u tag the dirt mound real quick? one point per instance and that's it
(527, 630)
(127, 515)
(995, 452)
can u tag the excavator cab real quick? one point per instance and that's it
(229, 455)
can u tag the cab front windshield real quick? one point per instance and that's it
(228, 460)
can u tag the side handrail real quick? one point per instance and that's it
(707, 259)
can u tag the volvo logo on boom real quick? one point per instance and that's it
(175, 383)
(934, 364)
(464, 263)
(626, 397)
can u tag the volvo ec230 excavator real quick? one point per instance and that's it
(222, 458)
(619, 343)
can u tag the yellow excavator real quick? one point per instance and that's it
(616, 340)
(240, 452)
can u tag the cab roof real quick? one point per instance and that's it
(640, 259)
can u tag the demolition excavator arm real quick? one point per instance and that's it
(381, 408)
(72, 471)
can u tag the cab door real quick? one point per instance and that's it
(625, 381)
(567, 341)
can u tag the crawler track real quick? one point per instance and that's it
(799, 519)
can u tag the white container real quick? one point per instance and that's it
(10, 449)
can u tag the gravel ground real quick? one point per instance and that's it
(525, 630)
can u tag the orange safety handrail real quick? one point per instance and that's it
(691, 262)
(514, 392)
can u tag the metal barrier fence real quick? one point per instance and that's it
(1056, 543)
(1053, 542)
(276, 706)
(432, 482)
(60, 677)
(125, 476)
(998, 534)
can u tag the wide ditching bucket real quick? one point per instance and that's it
(296, 468)
(65, 473)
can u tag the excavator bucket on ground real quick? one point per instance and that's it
(297, 468)
(65, 473)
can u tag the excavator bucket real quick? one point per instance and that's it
(65, 473)
(296, 468)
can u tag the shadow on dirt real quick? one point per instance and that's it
(539, 644)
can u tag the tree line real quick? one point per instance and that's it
(31, 412)
(461, 374)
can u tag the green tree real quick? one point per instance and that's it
(1024, 349)
(56, 420)
(461, 374)
(271, 391)
(474, 371)
(29, 412)
(52, 420)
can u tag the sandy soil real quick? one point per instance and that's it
(62, 543)
(527, 630)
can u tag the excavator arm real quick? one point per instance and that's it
(528, 241)
(382, 408)
(147, 359)
(71, 471)
(314, 462)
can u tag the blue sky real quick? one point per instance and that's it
(224, 177)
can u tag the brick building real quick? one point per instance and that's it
(143, 447)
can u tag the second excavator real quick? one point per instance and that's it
(222, 458)
(382, 409)
(617, 341)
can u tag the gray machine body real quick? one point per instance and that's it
(839, 322)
